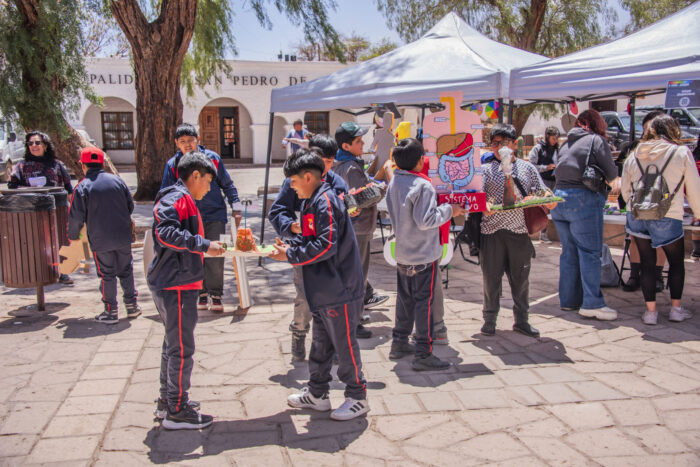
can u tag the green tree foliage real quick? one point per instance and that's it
(354, 47)
(380, 48)
(645, 12)
(41, 63)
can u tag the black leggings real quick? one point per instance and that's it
(675, 253)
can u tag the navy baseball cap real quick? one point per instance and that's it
(348, 131)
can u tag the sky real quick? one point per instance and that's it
(257, 43)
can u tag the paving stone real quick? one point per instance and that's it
(84, 405)
(430, 456)
(549, 427)
(633, 412)
(690, 438)
(519, 377)
(397, 427)
(492, 446)
(604, 443)
(669, 381)
(115, 358)
(28, 418)
(106, 372)
(438, 401)
(559, 374)
(77, 425)
(556, 393)
(584, 416)
(16, 445)
(98, 387)
(524, 395)
(56, 392)
(402, 403)
(678, 402)
(63, 449)
(682, 420)
(677, 460)
(373, 445)
(595, 391)
(487, 420)
(658, 439)
(441, 436)
(483, 398)
(554, 451)
(630, 384)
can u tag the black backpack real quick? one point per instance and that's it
(651, 198)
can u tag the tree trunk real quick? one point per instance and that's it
(520, 116)
(533, 20)
(68, 150)
(158, 51)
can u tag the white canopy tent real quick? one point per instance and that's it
(643, 61)
(452, 56)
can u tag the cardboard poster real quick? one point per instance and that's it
(452, 140)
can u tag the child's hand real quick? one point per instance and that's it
(215, 249)
(457, 210)
(295, 228)
(355, 213)
(281, 253)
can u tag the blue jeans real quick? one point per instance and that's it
(579, 222)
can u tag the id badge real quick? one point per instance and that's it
(308, 225)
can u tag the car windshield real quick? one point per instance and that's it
(695, 113)
(625, 119)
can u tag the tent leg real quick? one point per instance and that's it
(500, 110)
(510, 112)
(633, 133)
(267, 179)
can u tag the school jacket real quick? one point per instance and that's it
(178, 240)
(351, 169)
(327, 252)
(283, 211)
(212, 207)
(104, 203)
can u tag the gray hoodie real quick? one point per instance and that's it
(572, 158)
(416, 218)
(656, 152)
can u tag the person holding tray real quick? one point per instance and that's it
(505, 244)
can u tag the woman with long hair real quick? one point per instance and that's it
(579, 220)
(41, 168)
(661, 147)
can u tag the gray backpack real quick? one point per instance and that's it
(651, 198)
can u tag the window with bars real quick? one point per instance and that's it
(117, 130)
(316, 122)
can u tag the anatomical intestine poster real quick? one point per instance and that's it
(452, 139)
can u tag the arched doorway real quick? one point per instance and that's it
(224, 127)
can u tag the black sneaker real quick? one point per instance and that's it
(107, 317)
(187, 419)
(162, 407)
(631, 285)
(216, 305)
(375, 300)
(365, 318)
(431, 362)
(65, 279)
(362, 332)
(526, 329)
(400, 350)
(133, 310)
(659, 285)
(488, 329)
(203, 302)
(695, 254)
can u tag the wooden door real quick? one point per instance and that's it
(209, 128)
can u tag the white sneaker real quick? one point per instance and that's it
(306, 400)
(679, 314)
(350, 409)
(604, 314)
(544, 238)
(650, 317)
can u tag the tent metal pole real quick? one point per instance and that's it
(500, 110)
(267, 178)
(510, 112)
(633, 132)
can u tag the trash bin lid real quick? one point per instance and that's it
(26, 202)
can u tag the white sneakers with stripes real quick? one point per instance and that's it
(348, 410)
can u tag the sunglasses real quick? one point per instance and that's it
(499, 142)
(34, 143)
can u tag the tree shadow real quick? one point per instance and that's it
(320, 434)
(81, 328)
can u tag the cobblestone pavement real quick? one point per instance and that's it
(586, 393)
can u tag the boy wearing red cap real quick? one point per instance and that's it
(103, 202)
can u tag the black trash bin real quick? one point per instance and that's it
(28, 241)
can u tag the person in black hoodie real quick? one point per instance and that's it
(175, 278)
(334, 287)
(104, 202)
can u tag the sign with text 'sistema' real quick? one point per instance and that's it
(683, 94)
(453, 142)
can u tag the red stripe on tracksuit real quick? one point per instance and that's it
(102, 278)
(352, 354)
(182, 354)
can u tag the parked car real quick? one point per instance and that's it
(619, 128)
(688, 119)
(11, 149)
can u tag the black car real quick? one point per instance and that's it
(619, 128)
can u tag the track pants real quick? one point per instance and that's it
(178, 310)
(302, 313)
(415, 297)
(111, 265)
(333, 331)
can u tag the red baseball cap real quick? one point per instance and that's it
(92, 154)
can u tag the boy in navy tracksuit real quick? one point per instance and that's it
(212, 208)
(104, 202)
(175, 279)
(333, 285)
(416, 218)
(283, 218)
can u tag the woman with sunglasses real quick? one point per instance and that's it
(41, 168)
